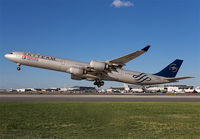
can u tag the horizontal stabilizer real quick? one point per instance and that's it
(178, 78)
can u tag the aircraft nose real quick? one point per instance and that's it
(6, 56)
(11, 57)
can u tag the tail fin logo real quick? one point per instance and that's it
(173, 68)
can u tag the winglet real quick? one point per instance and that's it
(146, 48)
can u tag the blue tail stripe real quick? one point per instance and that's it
(171, 70)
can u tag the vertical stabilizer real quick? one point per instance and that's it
(171, 70)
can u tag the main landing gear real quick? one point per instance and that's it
(18, 68)
(99, 83)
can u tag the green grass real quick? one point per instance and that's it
(99, 120)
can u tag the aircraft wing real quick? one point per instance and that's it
(178, 78)
(124, 59)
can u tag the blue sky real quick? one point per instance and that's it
(98, 30)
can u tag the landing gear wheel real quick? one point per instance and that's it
(18, 68)
(99, 83)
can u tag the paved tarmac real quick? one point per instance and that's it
(99, 98)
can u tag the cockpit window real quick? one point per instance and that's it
(11, 53)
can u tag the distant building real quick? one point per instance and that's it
(180, 86)
(137, 90)
(154, 89)
(3, 90)
(101, 90)
(23, 90)
(50, 89)
(12, 90)
(115, 89)
(63, 89)
(73, 89)
(84, 88)
(37, 89)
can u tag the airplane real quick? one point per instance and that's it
(99, 71)
(127, 87)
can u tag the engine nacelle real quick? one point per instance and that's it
(99, 66)
(77, 71)
(74, 77)
(90, 79)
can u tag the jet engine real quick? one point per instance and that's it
(77, 71)
(90, 79)
(99, 66)
(74, 77)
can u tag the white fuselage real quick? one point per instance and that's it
(64, 65)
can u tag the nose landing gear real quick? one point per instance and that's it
(18, 68)
(99, 83)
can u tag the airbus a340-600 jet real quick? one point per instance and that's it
(98, 71)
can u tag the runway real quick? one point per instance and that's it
(98, 98)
